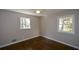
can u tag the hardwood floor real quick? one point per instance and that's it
(38, 43)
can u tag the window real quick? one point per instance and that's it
(66, 24)
(24, 23)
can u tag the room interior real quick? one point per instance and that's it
(39, 29)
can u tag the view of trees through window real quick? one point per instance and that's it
(24, 23)
(66, 24)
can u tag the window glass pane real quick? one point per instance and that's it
(28, 23)
(60, 27)
(60, 20)
(24, 23)
(66, 24)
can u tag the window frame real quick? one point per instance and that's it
(73, 24)
(21, 18)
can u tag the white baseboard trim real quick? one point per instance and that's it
(17, 42)
(38, 36)
(61, 42)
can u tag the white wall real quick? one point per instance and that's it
(44, 26)
(10, 27)
(49, 28)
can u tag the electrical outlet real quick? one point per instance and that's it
(13, 40)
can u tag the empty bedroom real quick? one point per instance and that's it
(39, 29)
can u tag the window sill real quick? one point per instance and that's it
(66, 32)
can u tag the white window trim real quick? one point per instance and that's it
(73, 20)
